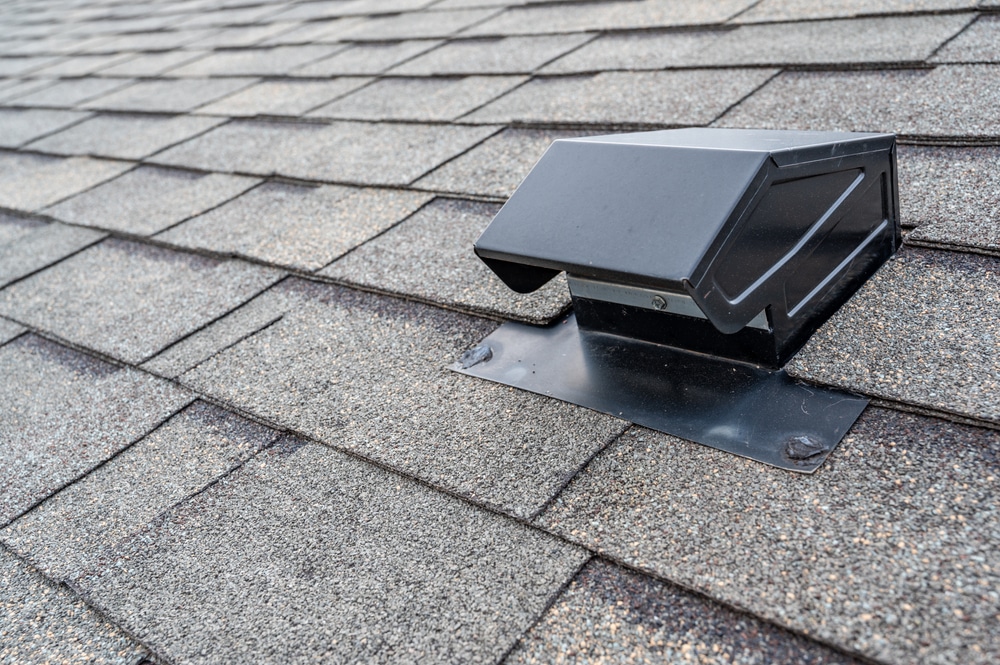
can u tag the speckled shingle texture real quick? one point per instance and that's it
(169, 96)
(312, 555)
(427, 257)
(965, 212)
(419, 98)
(152, 64)
(69, 92)
(608, 16)
(73, 531)
(656, 98)
(610, 615)
(64, 413)
(492, 56)
(496, 167)
(150, 199)
(124, 136)
(889, 39)
(290, 98)
(369, 374)
(30, 182)
(889, 550)
(797, 10)
(37, 245)
(372, 58)
(42, 622)
(9, 330)
(296, 226)
(923, 331)
(18, 126)
(980, 42)
(114, 296)
(345, 152)
(254, 62)
(951, 100)
(418, 25)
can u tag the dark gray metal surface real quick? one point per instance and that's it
(789, 223)
(742, 409)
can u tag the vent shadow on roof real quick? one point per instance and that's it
(699, 262)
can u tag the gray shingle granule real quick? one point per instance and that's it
(130, 300)
(609, 615)
(892, 549)
(64, 413)
(72, 531)
(30, 182)
(923, 331)
(18, 126)
(170, 96)
(44, 623)
(305, 554)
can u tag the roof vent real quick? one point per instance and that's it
(699, 262)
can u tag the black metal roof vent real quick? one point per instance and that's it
(699, 261)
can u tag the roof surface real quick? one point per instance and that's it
(236, 262)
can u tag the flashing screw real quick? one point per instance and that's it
(660, 303)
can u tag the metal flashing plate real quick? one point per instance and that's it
(761, 414)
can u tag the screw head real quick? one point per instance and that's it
(660, 303)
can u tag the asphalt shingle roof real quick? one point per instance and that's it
(235, 266)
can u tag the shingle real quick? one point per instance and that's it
(952, 194)
(18, 127)
(317, 32)
(300, 227)
(24, 65)
(608, 16)
(38, 247)
(610, 615)
(43, 622)
(152, 64)
(310, 555)
(69, 92)
(64, 413)
(228, 16)
(242, 322)
(9, 330)
(689, 97)
(369, 374)
(70, 532)
(124, 136)
(130, 300)
(496, 167)
(240, 37)
(429, 257)
(30, 182)
(966, 214)
(290, 98)
(171, 96)
(923, 331)
(17, 88)
(419, 98)
(890, 550)
(154, 41)
(260, 62)
(899, 39)
(509, 55)
(418, 25)
(244, 146)
(82, 65)
(636, 51)
(797, 10)
(341, 152)
(953, 100)
(309, 11)
(366, 58)
(150, 199)
(979, 43)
